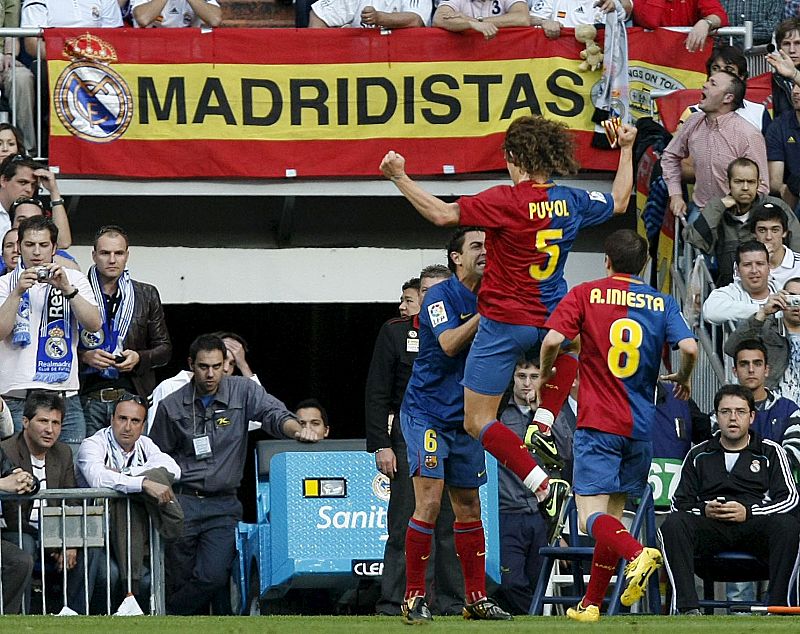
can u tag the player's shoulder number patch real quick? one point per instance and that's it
(438, 313)
(598, 196)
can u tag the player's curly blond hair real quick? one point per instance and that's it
(538, 145)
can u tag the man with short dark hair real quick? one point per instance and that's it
(770, 224)
(736, 492)
(724, 223)
(713, 138)
(120, 457)
(311, 414)
(409, 298)
(37, 450)
(120, 357)
(396, 347)
(41, 306)
(17, 180)
(622, 339)
(203, 426)
(742, 298)
(785, 61)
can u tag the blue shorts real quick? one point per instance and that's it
(494, 354)
(607, 463)
(451, 455)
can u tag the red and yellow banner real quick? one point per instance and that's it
(247, 103)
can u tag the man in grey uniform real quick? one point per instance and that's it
(203, 426)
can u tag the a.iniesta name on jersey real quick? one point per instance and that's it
(621, 297)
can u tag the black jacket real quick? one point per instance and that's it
(761, 480)
(396, 348)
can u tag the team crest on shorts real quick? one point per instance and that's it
(431, 462)
(755, 466)
(92, 340)
(91, 99)
(56, 346)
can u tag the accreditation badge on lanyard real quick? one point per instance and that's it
(202, 447)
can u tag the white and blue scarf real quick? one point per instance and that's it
(54, 348)
(115, 456)
(112, 335)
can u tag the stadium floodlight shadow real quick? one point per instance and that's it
(643, 527)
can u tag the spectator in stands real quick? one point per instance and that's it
(11, 140)
(384, 14)
(739, 503)
(119, 457)
(770, 225)
(37, 450)
(310, 413)
(783, 157)
(236, 359)
(704, 16)
(42, 14)
(764, 14)
(395, 349)
(713, 138)
(785, 61)
(731, 59)
(483, 16)
(176, 13)
(39, 321)
(23, 208)
(551, 15)
(777, 325)
(409, 299)
(742, 298)
(121, 357)
(18, 83)
(724, 223)
(17, 180)
(10, 252)
(523, 528)
(199, 564)
(17, 564)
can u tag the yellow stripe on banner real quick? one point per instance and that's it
(328, 102)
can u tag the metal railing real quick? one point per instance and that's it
(691, 283)
(80, 519)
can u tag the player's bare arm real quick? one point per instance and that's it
(682, 378)
(430, 207)
(454, 340)
(547, 358)
(623, 181)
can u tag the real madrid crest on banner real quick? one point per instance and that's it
(91, 99)
(92, 340)
(55, 347)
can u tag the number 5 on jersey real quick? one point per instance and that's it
(544, 244)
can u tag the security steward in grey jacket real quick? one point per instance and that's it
(203, 426)
(121, 357)
(736, 492)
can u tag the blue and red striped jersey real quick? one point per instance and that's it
(623, 324)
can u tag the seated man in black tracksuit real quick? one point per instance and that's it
(736, 493)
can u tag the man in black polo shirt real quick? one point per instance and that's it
(203, 426)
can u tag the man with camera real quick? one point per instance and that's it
(735, 493)
(133, 340)
(41, 305)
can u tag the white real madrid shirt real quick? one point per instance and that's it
(18, 364)
(176, 14)
(569, 13)
(347, 13)
(70, 13)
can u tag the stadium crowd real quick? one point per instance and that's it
(460, 371)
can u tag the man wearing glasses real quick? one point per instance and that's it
(736, 492)
(121, 356)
